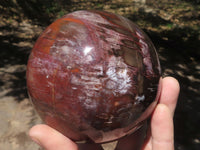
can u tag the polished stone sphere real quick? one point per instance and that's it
(94, 75)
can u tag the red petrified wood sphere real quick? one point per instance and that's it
(93, 75)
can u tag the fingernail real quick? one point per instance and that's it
(36, 141)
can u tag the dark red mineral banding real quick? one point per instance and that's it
(93, 75)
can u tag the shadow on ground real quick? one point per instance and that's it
(14, 56)
(179, 50)
(178, 47)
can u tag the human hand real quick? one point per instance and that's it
(160, 137)
(162, 129)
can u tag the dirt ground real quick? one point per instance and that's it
(173, 26)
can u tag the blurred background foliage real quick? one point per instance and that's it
(173, 26)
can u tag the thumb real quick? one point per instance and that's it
(50, 139)
(162, 128)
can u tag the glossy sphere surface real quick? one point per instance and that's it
(93, 75)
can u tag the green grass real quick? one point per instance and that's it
(170, 25)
